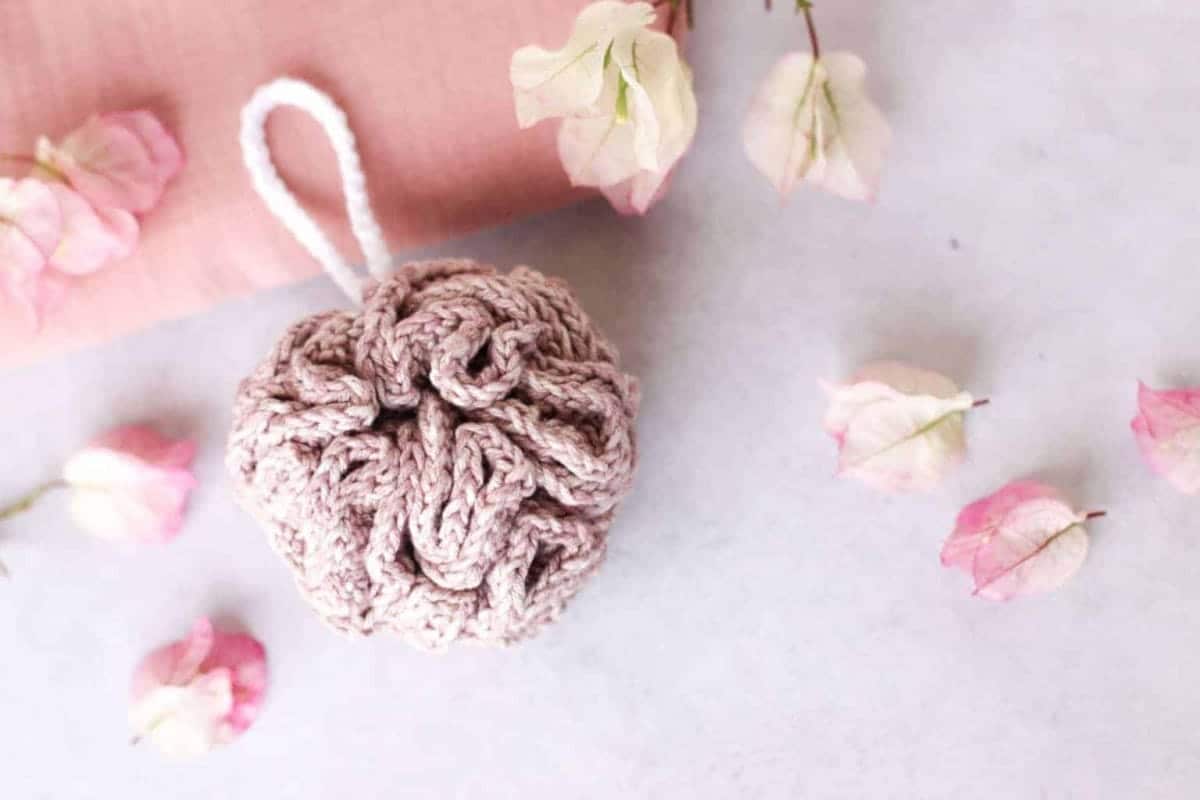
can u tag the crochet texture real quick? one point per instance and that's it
(443, 463)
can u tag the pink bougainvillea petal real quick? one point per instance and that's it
(30, 230)
(150, 446)
(1167, 430)
(91, 238)
(117, 161)
(164, 150)
(1023, 539)
(131, 484)
(204, 691)
(246, 660)
(897, 428)
(28, 207)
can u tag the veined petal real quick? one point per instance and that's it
(780, 133)
(897, 428)
(814, 122)
(562, 82)
(855, 149)
(1023, 539)
(630, 158)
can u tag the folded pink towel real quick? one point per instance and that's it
(425, 85)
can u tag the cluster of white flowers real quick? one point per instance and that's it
(629, 113)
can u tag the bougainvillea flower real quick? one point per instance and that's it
(122, 160)
(1167, 429)
(812, 121)
(643, 123)
(30, 230)
(559, 83)
(193, 695)
(91, 238)
(897, 428)
(626, 97)
(1021, 540)
(131, 484)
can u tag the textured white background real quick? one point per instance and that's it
(760, 629)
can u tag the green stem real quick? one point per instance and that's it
(27, 501)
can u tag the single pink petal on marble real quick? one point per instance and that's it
(122, 160)
(1167, 430)
(131, 484)
(1023, 539)
(198, 693)
(897, 428)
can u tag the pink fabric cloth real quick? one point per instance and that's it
(425, 86)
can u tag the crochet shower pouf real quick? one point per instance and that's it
(444, 462)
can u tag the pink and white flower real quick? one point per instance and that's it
(811, 121)
(1023, 539)
(121, 160)
(897, 428)
(1167, 429)
(199, 693)
(131, 484)
(625, 96)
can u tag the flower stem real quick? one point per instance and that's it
(27, 501)
(812, 31)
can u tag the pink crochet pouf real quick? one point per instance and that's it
(444, 462)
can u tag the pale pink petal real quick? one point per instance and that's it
(897, 428)
(118, 161)
(90, 240)
(812, 121)
(196, 694)
(30, 229)
(164, 150)
(567, 81)
(176, 663)
(779, 132)
(1023, 539)
(977, 522)
(149, 446)
(29, 207)
(637, 194)
(246, 660)
(854, 153)
(184, 722)
(131, 485)
(628, 151)
(1167, 430)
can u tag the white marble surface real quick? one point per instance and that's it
(760, 629)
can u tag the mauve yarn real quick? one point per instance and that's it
(443, 463)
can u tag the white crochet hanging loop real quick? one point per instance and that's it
(283, 204)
